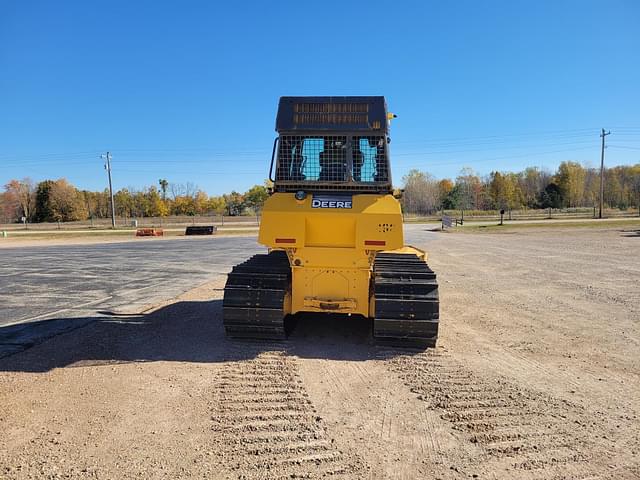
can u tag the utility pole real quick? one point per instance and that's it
(603, 134)
(107, 167)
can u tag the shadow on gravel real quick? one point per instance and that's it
(188, 331)
(337, 337)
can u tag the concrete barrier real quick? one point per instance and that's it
(200, 230)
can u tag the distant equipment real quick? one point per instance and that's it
(201, 230)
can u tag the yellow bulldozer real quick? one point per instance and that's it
(334, 231)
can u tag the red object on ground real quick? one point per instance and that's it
(149, 232)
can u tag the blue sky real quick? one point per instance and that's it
(188, 90)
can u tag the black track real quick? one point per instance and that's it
(254, 297)
(406, 296)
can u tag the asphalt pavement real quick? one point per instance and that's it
(49, 289)
(46, 290)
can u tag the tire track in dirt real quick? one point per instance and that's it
(532, 435)
(398, 436)
(265, 424)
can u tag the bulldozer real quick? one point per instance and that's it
(334, 231)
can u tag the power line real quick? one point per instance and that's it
(552, 133)
(49, 155)
(507, 157)
(623, 146)
(442, 142)
(438, 152)
(450, 140)
(199, 172)
(445, 146)
(127, 159)
(503, 143)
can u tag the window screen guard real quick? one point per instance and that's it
(316, 160)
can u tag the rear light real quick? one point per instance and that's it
(376, 243)
(285, 240)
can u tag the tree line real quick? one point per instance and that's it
(60, 201)
(572, 185)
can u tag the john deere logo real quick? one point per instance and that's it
(326, 201)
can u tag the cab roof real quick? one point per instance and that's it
(335, 114)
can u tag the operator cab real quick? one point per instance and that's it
(332, 144)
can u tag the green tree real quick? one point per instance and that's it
(444, 189)
(570, 179)
(502, 191)
(234, 202)
(217, 205)
(59, 201)
(635, 182)
(155, 204)
(255, 197)
(613, 189)
(184, 205)
(551, 196)
(452, 200)
(124, 203)
(517, 198)
(44, 211)
(201, 202)
(141, 204)
(469, 189)
(531, 182)
(591, 187)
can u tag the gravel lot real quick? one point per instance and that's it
(536, 376)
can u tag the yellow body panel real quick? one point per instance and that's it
(331, 250)
(411, 250)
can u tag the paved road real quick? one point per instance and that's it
(48, 290)
(45, 281)
(45, 290)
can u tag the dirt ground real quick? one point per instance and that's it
(536, 376)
